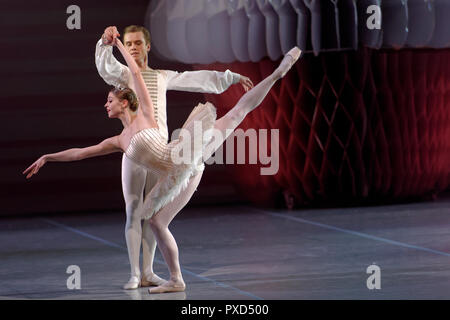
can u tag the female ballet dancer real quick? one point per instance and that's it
(141, 142)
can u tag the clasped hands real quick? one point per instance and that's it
(109, 35)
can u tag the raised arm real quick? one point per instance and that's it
(145, 102)
(107, 146)
(206, 81)
(108, 67)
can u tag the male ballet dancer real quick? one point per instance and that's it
(137, 181)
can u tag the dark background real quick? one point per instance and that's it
(52, 98)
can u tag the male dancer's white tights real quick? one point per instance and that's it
(136, 181)
(160, 221)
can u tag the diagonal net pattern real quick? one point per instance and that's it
(366, 125)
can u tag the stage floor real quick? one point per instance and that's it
(240, 252)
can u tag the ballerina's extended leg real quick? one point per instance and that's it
(160, 221)
(252, 99)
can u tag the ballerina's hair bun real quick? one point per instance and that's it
(127, 94)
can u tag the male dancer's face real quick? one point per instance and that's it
(135, 44)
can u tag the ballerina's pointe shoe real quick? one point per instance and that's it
(153, 280)
(168, 286)
(288, 61)
(132, 284)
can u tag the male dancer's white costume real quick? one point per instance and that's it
(137, 182)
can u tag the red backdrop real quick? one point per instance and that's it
(367, 125)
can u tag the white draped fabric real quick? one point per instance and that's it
(207, 31)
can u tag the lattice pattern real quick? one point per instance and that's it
(363, 125)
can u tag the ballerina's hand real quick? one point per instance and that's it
(34, 168)
(246, 83)
(109, 35)
(115, 39)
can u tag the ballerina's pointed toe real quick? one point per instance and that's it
(288, 61)
(295, 53)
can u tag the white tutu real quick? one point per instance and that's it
(174, 163)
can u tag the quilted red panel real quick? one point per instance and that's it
(368, 125)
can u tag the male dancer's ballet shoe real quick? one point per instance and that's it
(288, 61)
(153, 280)
(132, 284)
(168, 286)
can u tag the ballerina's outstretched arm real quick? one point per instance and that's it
(107, 146)
(145, 101)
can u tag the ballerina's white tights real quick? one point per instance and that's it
(137, 181)
(160, 221)
(135, 178)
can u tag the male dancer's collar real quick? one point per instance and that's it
(148, 69)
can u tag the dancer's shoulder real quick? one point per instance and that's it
(164, 72)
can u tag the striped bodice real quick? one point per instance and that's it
(149, 149)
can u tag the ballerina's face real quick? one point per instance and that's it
(114, 107)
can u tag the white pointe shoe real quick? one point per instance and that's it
(169, 286)
(153, 280)
(132, 284)
(288, 61)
